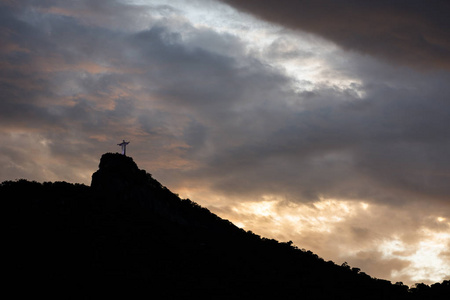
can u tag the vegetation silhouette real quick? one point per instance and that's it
(127, 235)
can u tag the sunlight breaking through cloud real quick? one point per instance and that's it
(323, 224)
(426, 263)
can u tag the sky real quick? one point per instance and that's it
(323, 122)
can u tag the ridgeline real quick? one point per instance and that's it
(128, 236)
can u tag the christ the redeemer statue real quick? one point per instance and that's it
(124, 147)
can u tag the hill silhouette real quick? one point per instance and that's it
(129, 236)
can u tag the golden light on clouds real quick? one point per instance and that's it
(276, 215)
(352, 231)
(426, 262)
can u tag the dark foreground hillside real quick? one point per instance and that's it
(127, 236)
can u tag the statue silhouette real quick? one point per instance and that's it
(124, 147)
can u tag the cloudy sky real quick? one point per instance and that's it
(322, 122)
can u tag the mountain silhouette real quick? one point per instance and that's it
(128, 236)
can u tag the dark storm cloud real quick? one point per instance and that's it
(70, 81)
(235, 120)
(389, 146)
(207, 112)
(47, 63)
(407, 32)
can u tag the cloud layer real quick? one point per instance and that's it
(251, 113)
(414, 33)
